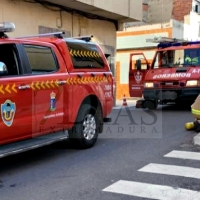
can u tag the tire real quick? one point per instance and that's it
(151, 105)
(86, 128)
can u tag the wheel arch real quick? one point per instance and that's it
(95, 102)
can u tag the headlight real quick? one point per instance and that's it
(148, 85)
(192, 83)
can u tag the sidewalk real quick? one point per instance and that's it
(131, 102)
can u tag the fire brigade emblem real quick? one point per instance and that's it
(52, 101)
(138, 77)
(7, 112)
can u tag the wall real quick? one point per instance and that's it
(131, 8)
(181, 8)
(192, 27)
(29, 16)
(159, 11)
(178, 29)
(162, 11)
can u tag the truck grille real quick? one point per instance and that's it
(169, 83)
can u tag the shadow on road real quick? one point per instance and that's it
(171, 107)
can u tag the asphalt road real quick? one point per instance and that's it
(121, 157)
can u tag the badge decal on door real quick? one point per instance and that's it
(138, 77)
(8, 112)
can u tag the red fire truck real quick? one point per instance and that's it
(172, 76)
(51, 89)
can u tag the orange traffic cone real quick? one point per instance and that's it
(124, 101)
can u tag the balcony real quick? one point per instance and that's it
(116, 10)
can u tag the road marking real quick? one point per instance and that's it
(151, 191)
(172, 170)
(184, 155)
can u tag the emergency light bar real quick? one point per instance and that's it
(7, 27)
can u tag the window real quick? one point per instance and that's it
(8, 55)
(196, 9)
(164, 59)
(85, 55)
(177, 58)
(41, 59)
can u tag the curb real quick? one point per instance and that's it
(196, 139)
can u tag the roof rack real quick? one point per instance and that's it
(59, 35)
(85, 38)
(9, 27)
(55, 34)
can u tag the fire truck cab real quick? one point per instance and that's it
(173, 76)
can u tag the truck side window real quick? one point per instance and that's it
(85, 55)
(8, 56)
(41, 59)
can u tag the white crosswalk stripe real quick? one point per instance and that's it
(184, 155)
(152, 191)
(162, 192)
(171, 170)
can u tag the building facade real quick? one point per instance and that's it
(75, 17)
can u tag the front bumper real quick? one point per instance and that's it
(188, 94)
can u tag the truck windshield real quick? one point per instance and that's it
(177, 58)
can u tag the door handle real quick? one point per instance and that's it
(61, 82)
(24, 87)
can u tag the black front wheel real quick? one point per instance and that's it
(86, 128)
(151, 104)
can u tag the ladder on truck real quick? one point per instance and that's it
(165, 39)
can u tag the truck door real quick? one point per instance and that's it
(16, 102)
(138, 68)
(48, 84)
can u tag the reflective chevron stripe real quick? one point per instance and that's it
(49, 84)
(82, 53)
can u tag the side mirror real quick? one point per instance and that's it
(3, 69)
(138, 64)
